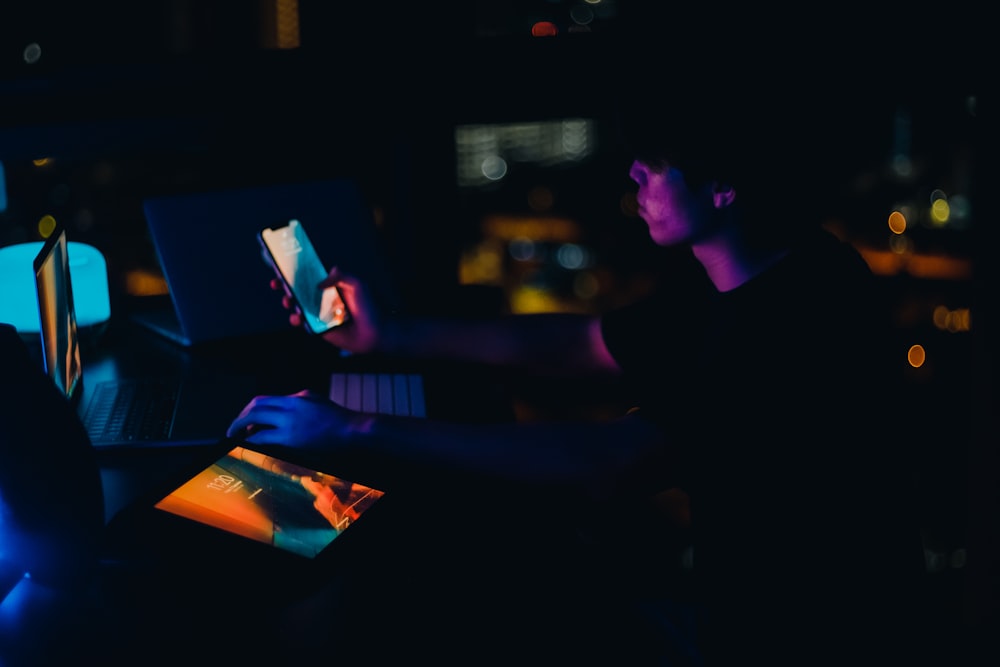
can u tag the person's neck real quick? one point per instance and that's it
(730, 261)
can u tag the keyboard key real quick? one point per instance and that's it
(400, 395)
(385, 396)
(338, 388)
(352, 391)
(385, 393)
(369, 393)
(416, 387)
(132, 410)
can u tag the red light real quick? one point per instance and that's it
(544, 29)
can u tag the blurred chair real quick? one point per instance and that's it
(51, 511)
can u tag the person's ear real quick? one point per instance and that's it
(722, 195)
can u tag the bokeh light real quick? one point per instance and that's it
(544, 29)
(32, 53)
(952, 321)
(540, 199)
(897, 222)
(494, 167)
(46, 225)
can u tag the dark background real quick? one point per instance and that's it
(132, 99)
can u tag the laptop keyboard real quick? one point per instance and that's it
(385, 393)
(141, 409)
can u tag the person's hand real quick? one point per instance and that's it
(363, 329)
(305, 420)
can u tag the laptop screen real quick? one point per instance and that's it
(207, 247)
(57, 315)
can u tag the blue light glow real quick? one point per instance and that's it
(89, 277)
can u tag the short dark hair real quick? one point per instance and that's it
(789, 149)
(786, 117)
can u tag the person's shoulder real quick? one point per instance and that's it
(14, 353)
(9, 337)
(827, 252)
(820, 238)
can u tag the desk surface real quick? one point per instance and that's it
(279, 363)
(272, 364)
(187, 595)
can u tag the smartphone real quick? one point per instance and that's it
(291, 254)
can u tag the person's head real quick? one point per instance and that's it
(677, 209)
(785, 149)
(770, 149)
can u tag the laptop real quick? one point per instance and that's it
(218, 283)
(171, 407)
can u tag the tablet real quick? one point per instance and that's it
(239, 529)
(268, 500)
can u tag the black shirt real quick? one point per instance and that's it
(775, 399)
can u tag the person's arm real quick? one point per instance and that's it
(555, 343)
(598, 458)
(552, 343)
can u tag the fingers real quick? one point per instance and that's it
(334, 278)
(248, 430)
(261, 411)
(242, 427)
(287, 300)
(264, 437)
(311, 395)
(237, 429)
(266, 419)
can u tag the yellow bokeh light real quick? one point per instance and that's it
(916, 356)
(46, 225)
(145, 283)
(482, 265)
(526, 299)
(940, 317)
(536, 228)
(952, 320)
(940, 211)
